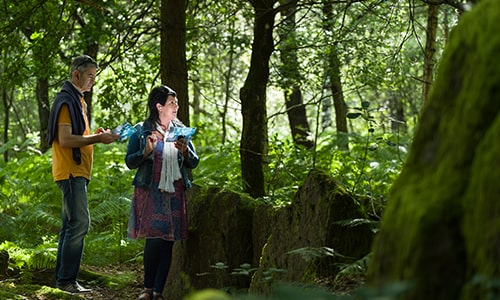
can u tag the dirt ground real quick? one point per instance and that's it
(129, 291)
(89, 278)
(128, 280)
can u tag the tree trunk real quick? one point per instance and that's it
(398, 120)
(42, 96)
(92, 50)
(439, 232)
(253, 144)
(335, 82)
(338, 99)
(430, 48)
(228, 84)
(195, 102)
(297, 117)
(42, 91)
(7, 103)
(173, 53)
(296, 111)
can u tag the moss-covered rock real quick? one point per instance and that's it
(441, 229)
(296, 235)
(220, 240)
(228, 229)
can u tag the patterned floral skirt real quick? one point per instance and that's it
(155, 214)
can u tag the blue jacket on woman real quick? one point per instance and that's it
(135, 157)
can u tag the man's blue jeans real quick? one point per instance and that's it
(75, 225)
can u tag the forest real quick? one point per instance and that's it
(277, 91)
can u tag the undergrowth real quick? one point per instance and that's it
(30, 200)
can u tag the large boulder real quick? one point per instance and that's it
(296, 240)
(440, 231)
(220, 240)
(228, 229)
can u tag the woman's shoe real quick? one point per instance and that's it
(158, 296)
(146, 294)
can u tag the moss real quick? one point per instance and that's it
(484, 248)
(422, 239)
(208, 294)
(115, 281)
(27, 291)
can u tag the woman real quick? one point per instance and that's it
(158, 211)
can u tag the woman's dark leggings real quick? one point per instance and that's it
(157, 259)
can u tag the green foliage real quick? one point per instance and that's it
(28, 192)
(31, 203)
(208, 294)
(310, 253)
(25, 260)
(286, 291)
(218, 165)
(31, 200)
(381, 157)
(379, 58)
(354, 271)
(110, 194)
(288, 165)
(28, 291)
(244, 269)
(374, 160)
(350, 270)
(301, 292)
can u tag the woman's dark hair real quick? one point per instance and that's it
(159, 94)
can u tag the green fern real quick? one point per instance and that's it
(42, 257)
(355, 269)
(25, 260)
(311, 253)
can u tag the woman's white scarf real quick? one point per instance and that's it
(170, 171)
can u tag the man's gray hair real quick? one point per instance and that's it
(82, 62)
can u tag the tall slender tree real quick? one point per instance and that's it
(91, 21)
(173, 52)
(430, 48)
(333, 76)
(44, 47)
(228, 80)
(291, 78)
(254, 143)
(7, 104)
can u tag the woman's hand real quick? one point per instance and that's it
(150, 144)
(182, 145)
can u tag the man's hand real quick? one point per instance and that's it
(69, 140)
(106, 136)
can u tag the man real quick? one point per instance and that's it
(72, 157)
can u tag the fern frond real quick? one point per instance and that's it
(355, 222)
(355, 269)
(310, 253)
